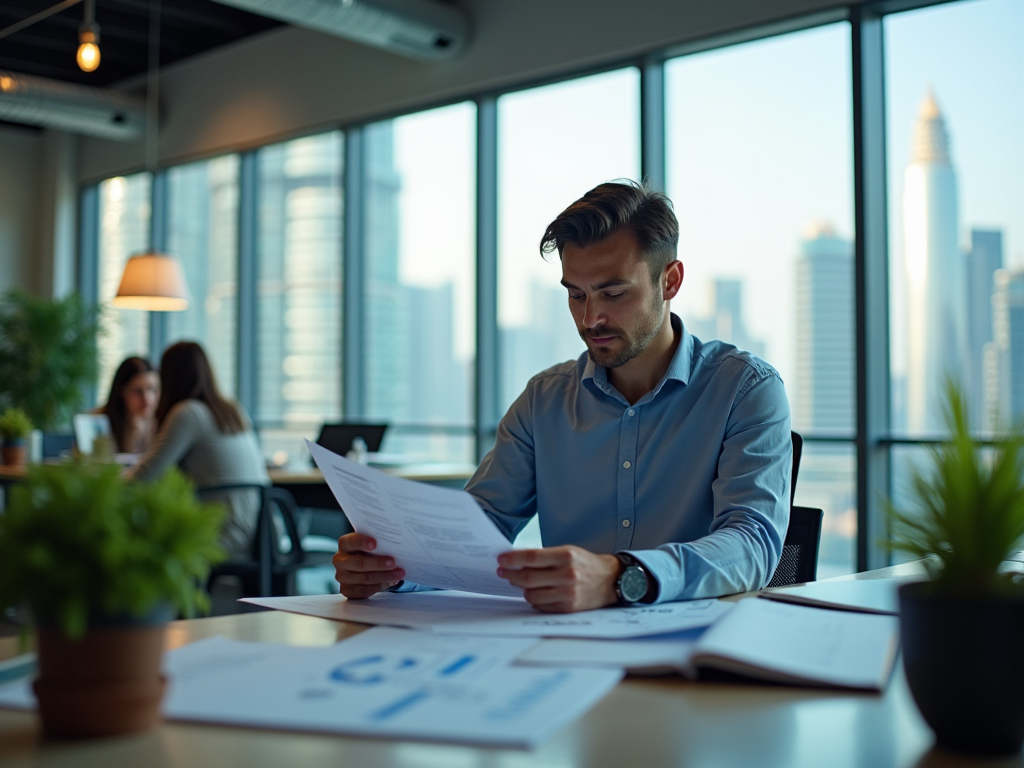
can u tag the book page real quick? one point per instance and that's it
(790, 643)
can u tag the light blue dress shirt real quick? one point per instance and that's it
(692, 479)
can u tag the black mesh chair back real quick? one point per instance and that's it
(799, 562)
(266, 570)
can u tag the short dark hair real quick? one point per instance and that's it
(616, 205)
(185, 374)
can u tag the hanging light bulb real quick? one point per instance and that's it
(88, 56)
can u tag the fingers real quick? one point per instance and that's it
(360, 574)
(550, 557)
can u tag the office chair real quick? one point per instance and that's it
(799, 561)
(798, 449)
(267, 570)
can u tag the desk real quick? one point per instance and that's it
(643, 723)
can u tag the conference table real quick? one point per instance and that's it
(664, 721)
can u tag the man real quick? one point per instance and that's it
(659, 465)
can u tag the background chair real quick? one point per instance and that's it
(269, 568)
(799, 561)
(798, 450)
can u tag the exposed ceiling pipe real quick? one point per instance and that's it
(68, 107)
(421, 29)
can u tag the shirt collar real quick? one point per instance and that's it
(678, 368)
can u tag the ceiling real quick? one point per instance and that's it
(187, 27)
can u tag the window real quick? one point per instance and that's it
(420, 277)
(554, 144)
(124, 213)
(299, 291)
(956, 211)
(759, 154)
(202, 226)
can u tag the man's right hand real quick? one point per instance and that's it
(360, 573)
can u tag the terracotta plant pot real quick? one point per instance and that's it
(965, 667)
(13, 452)
(103, 684)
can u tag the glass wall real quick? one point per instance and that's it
(124, 213)
(759, 155)
(202, 231)
(956, 211)
(420, 273)
(554, 144)
(299, 292)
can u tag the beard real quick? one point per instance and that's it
(636, 342)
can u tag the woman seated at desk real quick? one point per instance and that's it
(210, 438)
(131, 405)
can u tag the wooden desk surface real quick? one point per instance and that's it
(642, 722)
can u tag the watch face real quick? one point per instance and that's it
(633, 584)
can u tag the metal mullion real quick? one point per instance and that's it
(248, 218)
(652, 123)
(353, 312)
(158, 239)
(88, 258)
(872, 297)
(487, 337)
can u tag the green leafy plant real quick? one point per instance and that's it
(77, 541)
(47, 355)
(14, 424)
(968, 508)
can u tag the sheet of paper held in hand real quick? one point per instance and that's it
(439, 536)
(466, 614)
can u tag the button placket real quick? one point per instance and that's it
(626, 482)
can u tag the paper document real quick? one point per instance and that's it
(466, 614)
(758, 639)
(439, 536)
(862, 595)
(389, 683)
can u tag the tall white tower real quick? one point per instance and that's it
(936, 307)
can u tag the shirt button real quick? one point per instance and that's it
(625, 523)
(631, 412)
(626, 465)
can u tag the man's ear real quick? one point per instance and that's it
(671, 280)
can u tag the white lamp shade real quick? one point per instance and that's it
(153, 281)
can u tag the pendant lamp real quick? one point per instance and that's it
(153, 280)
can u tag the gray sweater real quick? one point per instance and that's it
(190, 439)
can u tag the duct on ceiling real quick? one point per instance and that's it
(68, 107)
(421, 29)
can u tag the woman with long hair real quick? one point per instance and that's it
(208, 437)
(131, 405)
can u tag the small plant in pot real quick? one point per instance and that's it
(15, 427)
(962, 629)
(103, 563)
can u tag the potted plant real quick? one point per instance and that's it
(103, 563)
(47, 355)
(15, 427)
(962, 629)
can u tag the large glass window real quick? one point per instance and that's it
(202, 231)
(299, 291)
(759, 155)
(124, 212)
(554, 144)
(420, 272)
(956, 211)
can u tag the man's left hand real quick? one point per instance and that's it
(561, 579)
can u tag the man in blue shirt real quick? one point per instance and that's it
(659, 465)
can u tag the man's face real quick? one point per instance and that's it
(616, 307)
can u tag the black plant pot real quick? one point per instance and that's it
(964, 659)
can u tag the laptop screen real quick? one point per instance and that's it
(339, 437)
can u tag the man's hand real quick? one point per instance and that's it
(361, 574)
(561, 579)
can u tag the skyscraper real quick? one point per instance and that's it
(983, 259)
(725, 322)
(1005, 363)
(936, 306)
(824, 397)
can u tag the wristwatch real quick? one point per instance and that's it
(634, 584)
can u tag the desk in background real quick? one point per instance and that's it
(642, 722)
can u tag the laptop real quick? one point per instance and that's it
(339, 437)
(89, 426)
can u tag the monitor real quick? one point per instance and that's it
(339, 437)
(89, 426)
